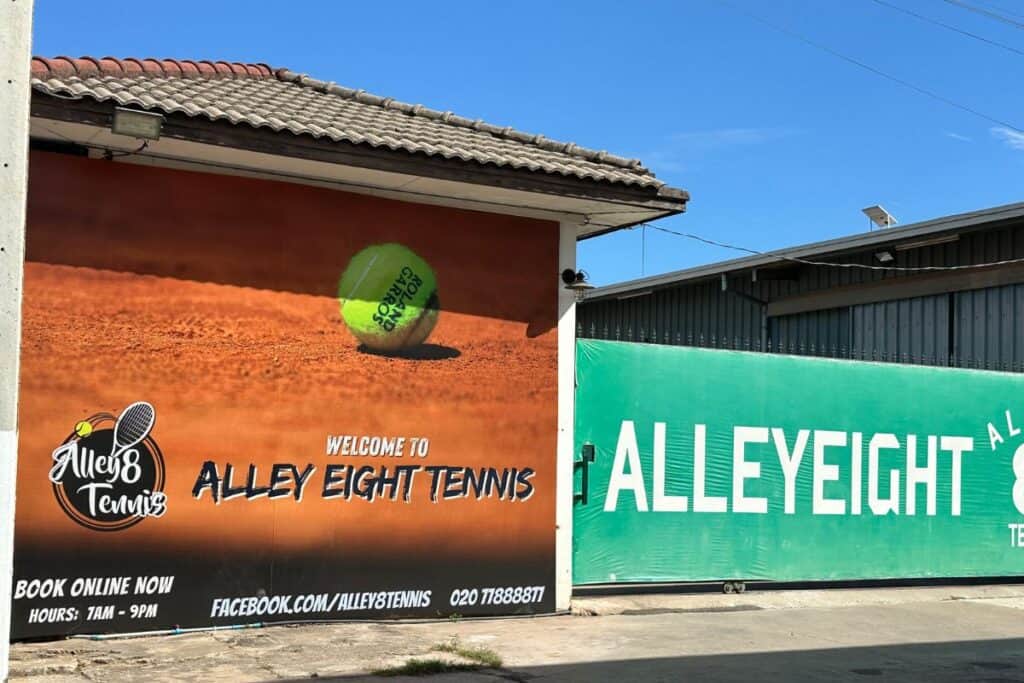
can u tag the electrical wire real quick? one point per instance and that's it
(867, 67)
(1003, 9)
(936, 22)
(986, 12)
(108, 155)
(808, 262)
(643, 225)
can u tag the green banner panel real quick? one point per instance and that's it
(720, 465)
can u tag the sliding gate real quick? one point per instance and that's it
(697, 464)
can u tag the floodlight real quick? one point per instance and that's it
(144, 125)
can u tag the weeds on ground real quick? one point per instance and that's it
(478, 658)
(425, 667)
(480, 655)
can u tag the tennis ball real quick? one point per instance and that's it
(388, 297)
(83, 428)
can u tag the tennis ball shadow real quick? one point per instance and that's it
(419, 352)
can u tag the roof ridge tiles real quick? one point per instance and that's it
(84, 67)
(505, 132)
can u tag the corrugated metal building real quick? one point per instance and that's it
(970, 317)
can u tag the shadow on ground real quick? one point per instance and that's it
(981, 661)
(420, 352)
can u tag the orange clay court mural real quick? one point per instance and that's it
(248, 401)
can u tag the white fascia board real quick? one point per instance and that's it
(588, 215)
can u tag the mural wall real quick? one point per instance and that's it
(246, 401)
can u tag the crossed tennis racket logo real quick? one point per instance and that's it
(110, 478)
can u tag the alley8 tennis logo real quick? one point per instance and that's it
(108, 474)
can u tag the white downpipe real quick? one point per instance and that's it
(566, 418)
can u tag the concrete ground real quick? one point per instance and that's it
(934, 634)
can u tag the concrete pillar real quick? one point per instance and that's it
(15, 65)
(566, 418)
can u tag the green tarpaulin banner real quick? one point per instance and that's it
(725, 465)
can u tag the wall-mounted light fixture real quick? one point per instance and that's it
(943, 239)
(884, 256)
(576, 281)
(144, 125)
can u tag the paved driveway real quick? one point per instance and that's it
(914, 634)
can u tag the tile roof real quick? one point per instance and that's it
(283, 100)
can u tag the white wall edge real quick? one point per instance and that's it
(15, 67)
(566, 419)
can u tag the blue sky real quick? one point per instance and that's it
(777, 142)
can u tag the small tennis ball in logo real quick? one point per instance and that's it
(388, 297)
(83, 428)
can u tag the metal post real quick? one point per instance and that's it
(15, 67)
(643, 250)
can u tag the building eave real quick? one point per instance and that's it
(598, 207)
(817, 251)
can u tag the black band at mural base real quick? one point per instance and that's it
(65, 595)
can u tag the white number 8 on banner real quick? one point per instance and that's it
(1018, 484)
